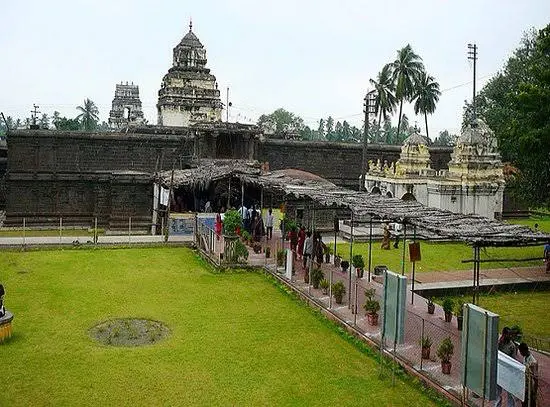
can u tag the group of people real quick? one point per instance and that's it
(507, 345)
(252, 222)
(307, 246)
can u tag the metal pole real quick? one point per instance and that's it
(60, 228)
(421, 340)
(404, 240)
(227, 106)
(350, 259)
(370, 248)
(229, 195)
(355, 305)
(24, 240)
(242, 197)
(414, 267)
(330, 290)
(474, 277)
(95, 231)
(478, 272)
(129, 228)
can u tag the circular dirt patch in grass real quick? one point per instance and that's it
(129, 332)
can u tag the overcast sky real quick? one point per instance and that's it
(314, 58)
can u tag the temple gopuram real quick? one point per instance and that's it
(126, 108)
(189, 93)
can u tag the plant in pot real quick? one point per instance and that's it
(459, 316)
(426, 344)
(232, 221)
(316, 277)
(281, 255)
(431, 306)
(359, 264)
(328, 252)
(267, 252)
(371, 306)
(444, 352)
(241, 252)
(448, 306)
(338, 290)
(345, 265)
(324, 284)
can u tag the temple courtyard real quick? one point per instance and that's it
(229, 338)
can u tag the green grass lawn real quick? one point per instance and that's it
(542, 221)
(442, 256)
(235, 338)
(529, 310)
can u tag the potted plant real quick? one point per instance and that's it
(281, 255)
(316, 277)
(245, 236)
(328, 252)
(431, 306)
(459, 316)
(359, 264)
(338, 290)
(267, 252)
(448, 306)
(371, 306)
(444, 352)
(426, 344)
(324, 284)
(232, 221)
(344, 264)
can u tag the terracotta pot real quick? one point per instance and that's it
(445, 367)
(448, 316)
(372, 319)
(431, 309)
(426, 353)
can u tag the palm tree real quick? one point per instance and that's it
(89, 115)
(426, 96)
(385, 100)
(405, 72)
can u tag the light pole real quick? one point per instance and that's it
(472, 55)
(369, 108)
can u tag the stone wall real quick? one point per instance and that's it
(337, 162)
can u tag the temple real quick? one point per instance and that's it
(126, 108)
(189, 93)
(473, 183)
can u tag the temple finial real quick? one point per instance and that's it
(190, 24)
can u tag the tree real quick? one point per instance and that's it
(405, 72)
(346, 131)
(62, 123)
(89, 115)
(282, 122)
(445, 139)
(329, 128)
(426, 96)
(321, 130)
(515, 103)
(44, 121)
(338, 131)
(385, 101)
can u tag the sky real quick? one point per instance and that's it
(311, 57)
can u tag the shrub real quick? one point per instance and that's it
(338, 290)
(371, 305)
(426, 342)
(231, 221)
(448, 305)
(358, 261)
(246, 236)
(445, 350)
(324, 284)
(241, 252)
(460, 310)
(316, 277)
(281, 255)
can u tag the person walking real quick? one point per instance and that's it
(269, 224)
(547, 256)
(506, 345)
(308, 250)
(531, 376)
(301, 240)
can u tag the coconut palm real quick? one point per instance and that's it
(405, 72)
(89, 115)
(426, 96)
(385, 99)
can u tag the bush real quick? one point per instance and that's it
(241, 252)
(246, 236)
(445, 350)
(460, 310)
(338, 290)
(281, 255)
(448, 305)
(358, 261)
(371, 305)
(426, 342)
(231, 221)
(344, 264)
(324, 284)
(316, 277)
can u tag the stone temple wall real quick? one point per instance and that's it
(339, 163)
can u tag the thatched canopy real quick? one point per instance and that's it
(473, 229)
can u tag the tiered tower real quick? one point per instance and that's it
(126, 108)
(189, 93)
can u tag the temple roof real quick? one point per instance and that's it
(190, 39)
(416, 139)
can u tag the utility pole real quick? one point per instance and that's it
(472, 55)
(369, 107)
(227, 106)
(34, 115)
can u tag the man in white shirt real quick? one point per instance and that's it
(269, 224)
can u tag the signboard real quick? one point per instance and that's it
(393, 307)
(414, 251)
(181, 224)
(511, 375)
(479, 351)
